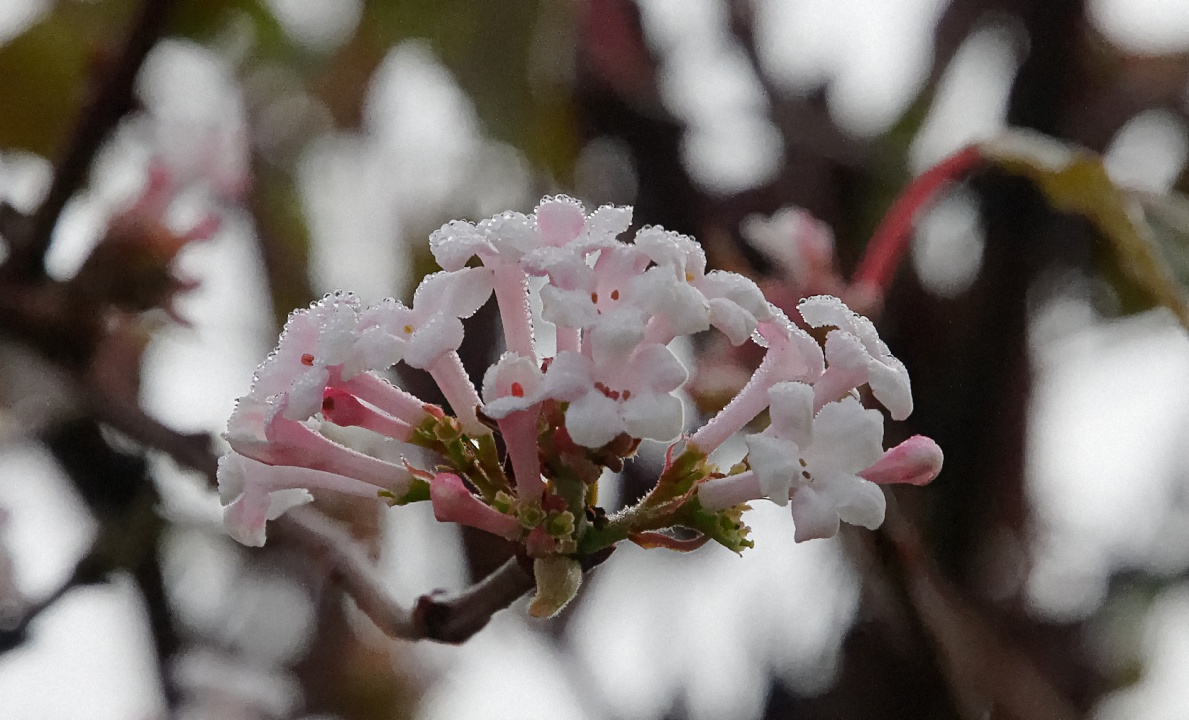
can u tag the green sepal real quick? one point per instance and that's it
(530, 515)
(477, 460)
(725, 527)
(418, 491)
(560, 524)
(683, 472)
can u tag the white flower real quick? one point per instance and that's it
(558, 222)
(815, 461)
(513, 384)
(855, 355)
(315, 343)
(632, 396)
(734, 304)
(419, 335)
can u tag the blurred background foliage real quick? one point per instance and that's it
(1043, 575)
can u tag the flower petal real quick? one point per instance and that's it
(593, 420)
(813, 515)
(653, 416)
(569, 377)
(791, 410)
(890, 385)
(777, 465)
(846, 437)
(652, 368)
(441, 334)
(857, 501)
(458, 294)
(560, 219)
(456, 242)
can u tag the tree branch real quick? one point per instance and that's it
(444, 618)
(109, 102)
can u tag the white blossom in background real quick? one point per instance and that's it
(611, 383)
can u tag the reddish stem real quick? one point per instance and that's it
(890, 239)
(650, 540)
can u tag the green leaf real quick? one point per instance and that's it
(1075, 181)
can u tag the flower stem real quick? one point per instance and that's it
(890, 239)
(448, 372)
(511, 294)
(398, 403)
(729, 491)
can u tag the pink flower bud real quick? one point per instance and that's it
(916, 461)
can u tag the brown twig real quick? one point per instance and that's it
(444, 618)
(110, 101)
(192, 451)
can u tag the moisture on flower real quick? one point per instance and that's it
(521, 456)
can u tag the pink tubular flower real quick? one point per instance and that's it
(261, 431)
(253, 492)
(826, 465)
(792, 356)
(512, 391)
(453, 502)
(856, 356)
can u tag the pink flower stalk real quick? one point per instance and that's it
(262, 432)
(453, 502)
(890, 240)
(512, 390)
(792, 356)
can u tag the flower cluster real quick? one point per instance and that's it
(614, 307)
